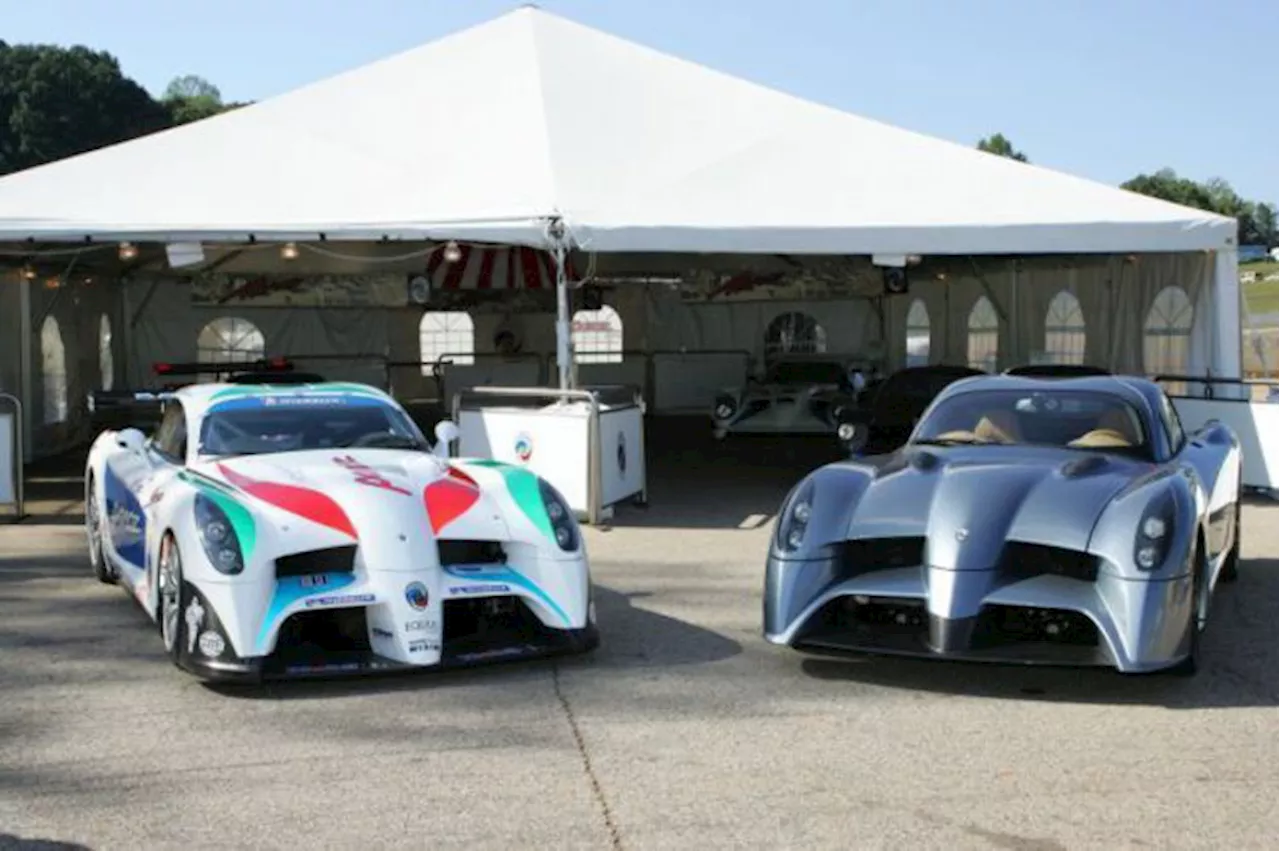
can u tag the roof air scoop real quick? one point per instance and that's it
(1078, 467)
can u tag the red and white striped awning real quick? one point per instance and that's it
(495, 268)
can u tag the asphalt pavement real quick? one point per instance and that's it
(684, 730)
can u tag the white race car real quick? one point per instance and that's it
(309, 529)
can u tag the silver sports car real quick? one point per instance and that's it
(1064, 521)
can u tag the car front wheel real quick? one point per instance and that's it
(169, 591)
(93, 526)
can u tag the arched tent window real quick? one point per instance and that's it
(984, 335)
(918, 334)
(450, 333)
(794, 333)
(53, 359)
(597, 336)
(1064, 332)
(1166, 337)
(106, 360)
(229, 339)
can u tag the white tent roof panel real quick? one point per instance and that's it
(486, 133)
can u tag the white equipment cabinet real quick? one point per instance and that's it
(588, 443)
(12, 453)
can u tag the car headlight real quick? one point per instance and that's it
(725, 406)
(563, 525)
(1151, 545)
(218, 537)
(794, 521)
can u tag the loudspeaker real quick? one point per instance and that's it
(419, 289)
(895, 280)
(592, 297)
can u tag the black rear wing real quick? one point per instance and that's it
(223, 370)
(149, 403)
(132, 401)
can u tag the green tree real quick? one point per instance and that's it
(192, 98)
(1000, 146)
(1257, 220)
(57, 102)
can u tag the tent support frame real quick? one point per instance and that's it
(564, 341)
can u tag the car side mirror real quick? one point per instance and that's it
(131, 439)
(446, 433)
(854, 436)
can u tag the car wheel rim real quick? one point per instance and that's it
(95, 530)
(170, 579)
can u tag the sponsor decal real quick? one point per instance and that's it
(622, 452)
(447, 499)
(524, 447)
(423, 645)
(317, 580)
(415, 593)
(523, 487)
(422, 625)
(379, 632)
(502, 579)
(195, 617)
(306, 503)
(339, 600)
(478, 589)
(366, 475)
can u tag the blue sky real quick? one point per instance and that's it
(1105, 89)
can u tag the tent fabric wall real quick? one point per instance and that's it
(1115, 295)
(850, 324)
(10, 333)
(78, 308)
(168, 325)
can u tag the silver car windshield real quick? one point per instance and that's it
(1073, 419)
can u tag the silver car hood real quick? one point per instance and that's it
(967, 501)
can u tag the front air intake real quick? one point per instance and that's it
(331, 560)
(863, 554)
(456, 551)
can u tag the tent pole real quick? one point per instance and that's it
(564, 360)
(26, 384)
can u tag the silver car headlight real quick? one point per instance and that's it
(1155, 532)
(794, 521)
(563, 525)
(218, 537)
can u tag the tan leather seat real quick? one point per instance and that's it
(1114, 429)
(997, 426)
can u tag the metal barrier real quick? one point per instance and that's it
(1256, 423)
(1210, 381)
(12, 455)
(666, 386)
(617, 399)
(362, 367)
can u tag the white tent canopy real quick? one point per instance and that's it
(489, 133)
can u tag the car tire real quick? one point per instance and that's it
(169, 598)
(102, 568)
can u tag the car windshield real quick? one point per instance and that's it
(295, 422)
(805, 372)
(1073, 419)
